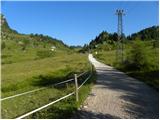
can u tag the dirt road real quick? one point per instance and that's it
(116, 95)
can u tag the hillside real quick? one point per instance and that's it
(107, 41)
(19, 47)
(36, 62)
(151, 33)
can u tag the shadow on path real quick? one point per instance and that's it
(142, 100)
(119, 96)
(81, 114)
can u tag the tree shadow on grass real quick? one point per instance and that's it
(51, 79)
(47, 80)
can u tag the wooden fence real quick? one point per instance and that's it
(64, 97)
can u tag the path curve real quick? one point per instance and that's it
(116, 95)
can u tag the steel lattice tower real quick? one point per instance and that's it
(119, 51)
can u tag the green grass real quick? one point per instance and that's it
(107, 57)
(17, 55)
(15, 107)
(13, 51)
(65, 108)
(27, 64)
(22, 75)
(28, 75)
(150, 77)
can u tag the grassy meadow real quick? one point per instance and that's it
(30, 74)
(26, 75)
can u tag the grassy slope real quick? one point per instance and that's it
(23, 75)
(24, 70)
(52, 69)
(27, 75)
(149, 77)
(13, 49)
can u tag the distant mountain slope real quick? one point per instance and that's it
(5, 27)
(105, 38)
(8, 34)
(151, 33)
(21, 47)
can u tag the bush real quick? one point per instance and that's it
(44, 53)
(23, 43)
(3, 45)
(137, 58)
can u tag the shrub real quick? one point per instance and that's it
(155, 44)
(137, 57)
(23, 43)
(44, 53)
(3, 45)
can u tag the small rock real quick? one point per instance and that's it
(85, 107)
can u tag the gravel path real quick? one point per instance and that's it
(116, 95)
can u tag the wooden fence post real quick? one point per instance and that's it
(76, 87)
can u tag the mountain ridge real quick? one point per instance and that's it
(150, 33)
(7, 31)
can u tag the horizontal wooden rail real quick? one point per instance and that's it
(23, 93)
(40, 88)
(38, 109)
(63, 82)
(85, 81)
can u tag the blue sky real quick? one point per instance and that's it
(77, 23)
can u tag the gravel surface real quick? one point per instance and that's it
(116, 95)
